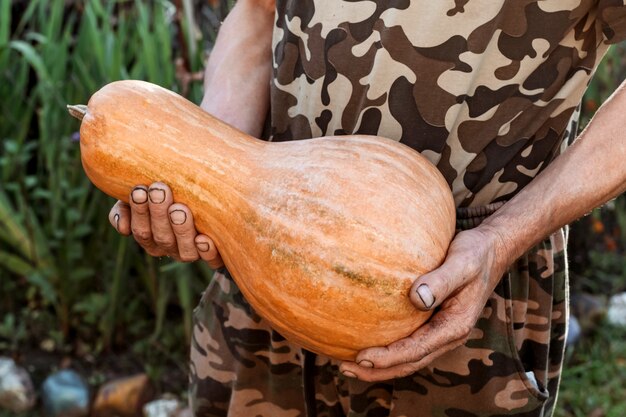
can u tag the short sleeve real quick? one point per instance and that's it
(612, 20)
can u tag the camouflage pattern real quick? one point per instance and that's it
(484, 89)
(488, 91)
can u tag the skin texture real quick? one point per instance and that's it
(585, 176)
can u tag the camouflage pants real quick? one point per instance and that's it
(510, 366)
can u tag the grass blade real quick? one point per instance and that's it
(5, 22)
(33, 58)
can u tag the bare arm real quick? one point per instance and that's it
(591, 172)
(588, 174)
(237, 77)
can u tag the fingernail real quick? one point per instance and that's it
(157, 195)
(202, 246)
(139, 195)
(425, 295)
(178, 217)
(116, 217)
(366, 364)
(349, 374)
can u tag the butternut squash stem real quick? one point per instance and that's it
(77, 110)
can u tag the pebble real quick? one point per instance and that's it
(17, 393)
(162, 408)
(616, 313)
(574, 332)
(123, 397)
(589, 310)
(185, 412)
(65, 394)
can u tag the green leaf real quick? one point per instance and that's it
(81, 273)
(11, 146)
(36, 37)
(114, 293)
(183, 285)
(15, 264)
(5, 21)
(14, 232)
(81, 230)
(45, 286)
(41, 193)
(30, 181)
(163, 295)
(32, 57)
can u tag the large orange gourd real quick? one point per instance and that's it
(323, 236)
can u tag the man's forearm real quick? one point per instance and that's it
(589, 173)
(237, 76)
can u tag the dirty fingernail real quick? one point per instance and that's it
(366, 364)
(202, 246)
(157, 195)
(139, 195)
(424, 293)
(178, 217)
(349, 374)
(116, 217)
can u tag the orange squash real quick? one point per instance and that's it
(324, 236)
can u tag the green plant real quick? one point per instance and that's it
(60, 261)
(594, 376)
(598, 242)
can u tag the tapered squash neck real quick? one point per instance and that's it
(134, 133)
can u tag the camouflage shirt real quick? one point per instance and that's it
(485, 89)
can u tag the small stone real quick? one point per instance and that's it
(574, 332)
(123, 397)
(65, 394)
(185, 412)
(588, 309)
(17, 393)
(616, 314)
(162, 408)
(47, 345)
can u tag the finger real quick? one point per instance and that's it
(433, 288)
(443, 329)
(208, 251)
(119, 217)
(184, 230)
(364, 373)
(140, 220)
(159, 201)
(140, 216)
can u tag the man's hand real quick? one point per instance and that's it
(162, 227)
(461, 286)
(237, 91)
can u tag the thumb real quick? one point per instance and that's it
(433, 288)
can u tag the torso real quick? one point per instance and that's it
(485, 89)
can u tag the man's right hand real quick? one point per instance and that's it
(163, 227)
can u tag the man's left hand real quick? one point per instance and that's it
(462, 285)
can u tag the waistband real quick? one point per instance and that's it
(470, 217)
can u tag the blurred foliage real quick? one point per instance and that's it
(68, 282)
(598, 241)
(594, 375)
